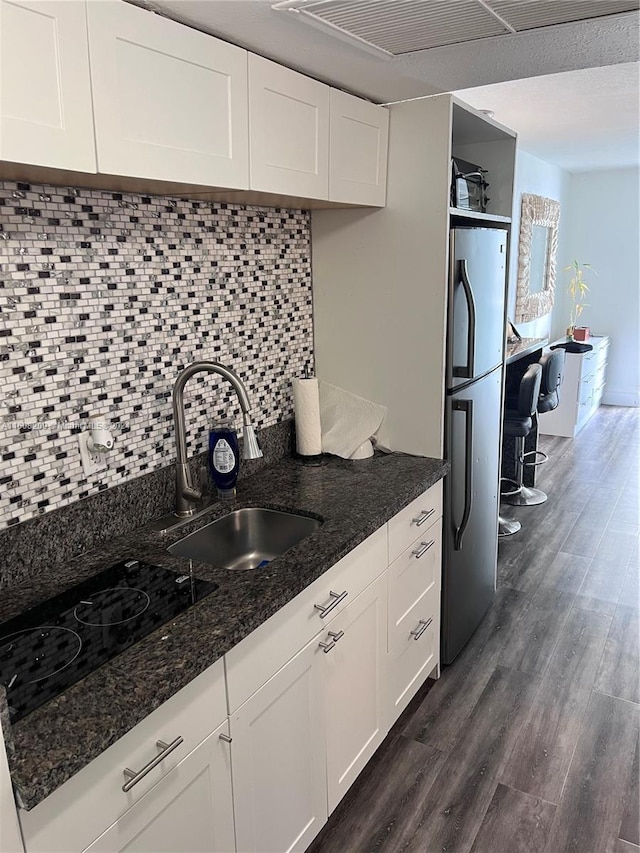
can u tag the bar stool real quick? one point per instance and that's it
(518, 423)
(552, 364)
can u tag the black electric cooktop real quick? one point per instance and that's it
(50, 647)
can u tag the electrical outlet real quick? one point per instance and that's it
(92, 462)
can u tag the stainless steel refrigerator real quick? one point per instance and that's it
(473, 416)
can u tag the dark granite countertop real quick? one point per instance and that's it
(354, 498)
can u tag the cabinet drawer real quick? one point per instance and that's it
(585, 390)
(588, 364)
(412, 660)
(253, 661)
(408, 524)
(164, 818)
(602, 353)
(414, 574)
(94, 795)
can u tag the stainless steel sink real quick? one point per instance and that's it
(246, 538)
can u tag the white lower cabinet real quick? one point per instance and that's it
(190, 809)
(302, 738)
(413, 659)
(307, 699)
(93, 805)
(279, 785)
(355, 687)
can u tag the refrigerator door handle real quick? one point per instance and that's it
(467, 372)
(466, 406)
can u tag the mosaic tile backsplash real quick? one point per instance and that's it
(105, 297)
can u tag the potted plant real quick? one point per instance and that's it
(577, 290)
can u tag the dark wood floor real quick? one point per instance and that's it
(528, 743)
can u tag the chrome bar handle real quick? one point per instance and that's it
(326, 647)
(424, 515)
(337, 598)
(424, 547)
(225, 738)
(336, 635)
(422, 627)
(134, 777)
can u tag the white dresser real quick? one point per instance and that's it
(581, 391)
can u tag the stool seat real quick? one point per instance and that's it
(515, 425)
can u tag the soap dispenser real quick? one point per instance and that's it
(224, 459)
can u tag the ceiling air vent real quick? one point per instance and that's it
(393, 27)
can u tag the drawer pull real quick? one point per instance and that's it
(424, 515)
(225, 738)
(422, 550)
(422, 627)
(165, 748)
(335, 636)
(326, 609)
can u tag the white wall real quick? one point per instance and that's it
(601, 227)
(544, 179)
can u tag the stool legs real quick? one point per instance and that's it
(525, 496)
(507, 526)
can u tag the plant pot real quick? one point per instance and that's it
(581, 333)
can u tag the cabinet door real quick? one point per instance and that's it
(289, 131)
(170, 103)
(279, 785)
(45, 94)
(190, 809)
(355, 687)
(357, 150)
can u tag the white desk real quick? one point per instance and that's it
(581, 391)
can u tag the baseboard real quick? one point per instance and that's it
(618, 397)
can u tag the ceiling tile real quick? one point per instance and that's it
(532, 14)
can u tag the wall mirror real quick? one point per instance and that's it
(537, 249)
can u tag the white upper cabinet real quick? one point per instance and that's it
(358, 150)
(170, 103)
(289, 131)
(45, 95)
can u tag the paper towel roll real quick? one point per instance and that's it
(306, 404)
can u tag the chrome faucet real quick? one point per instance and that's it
(186, 494)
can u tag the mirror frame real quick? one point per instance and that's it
(536, 210)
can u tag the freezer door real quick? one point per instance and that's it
(471, 510)
(475, 334)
